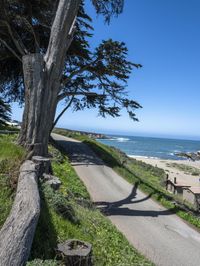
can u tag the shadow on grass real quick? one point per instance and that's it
(45, 240)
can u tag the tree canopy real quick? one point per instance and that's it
(5, 112)
(92, 78)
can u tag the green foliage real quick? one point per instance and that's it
(92, 78)
(25, 28)
(39, 262)
(11, 157)
(71, 185)
(9, 128)
(5, 112)
(110, 248)
(59, 203)
(71, 134)
(6, 199)
(108, 8)
(150, 179)
(8, 148)
(45, 239)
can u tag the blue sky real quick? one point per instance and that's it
(164, 36)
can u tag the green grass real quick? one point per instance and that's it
(9, 128)
(185, 168)
(150, 179)
(70, 134)
(65, 214)
(81, 220)
(11, 156)
(9, 149)
(5, 199)
(39, 262)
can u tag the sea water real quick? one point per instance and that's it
(152, 147)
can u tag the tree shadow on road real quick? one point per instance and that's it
(78, 153)
(120, 207)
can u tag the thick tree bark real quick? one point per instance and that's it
(17, 233)
(40, 105)
(42, 75)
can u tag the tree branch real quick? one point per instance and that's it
(63, 111)
(77, 72)
(65, 94)
(10, 49)
(21, 48)
(61, 34)
(31, 29)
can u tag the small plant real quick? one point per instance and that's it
(59, 203)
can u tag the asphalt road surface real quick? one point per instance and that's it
(157, 233)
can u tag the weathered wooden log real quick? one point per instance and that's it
(76, 252)
(17, 233)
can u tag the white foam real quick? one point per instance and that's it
(122, 139)
(144, 157)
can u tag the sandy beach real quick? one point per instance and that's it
(181, 175)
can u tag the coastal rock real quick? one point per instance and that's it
(53, 181)
(194, 156)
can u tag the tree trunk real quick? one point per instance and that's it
(17, 233)
(40, 106)
(42, 75)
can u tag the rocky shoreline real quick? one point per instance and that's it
(194, 156)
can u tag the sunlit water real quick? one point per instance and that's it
(152, 147)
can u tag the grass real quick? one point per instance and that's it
(11, 156)
(65, 214)
(70, 134)
(150, 179)
(185, 168)
(39, 262)
(8, 148)
(9, 128)
(69, 214)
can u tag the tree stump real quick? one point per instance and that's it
(75, 252)
(43, 165)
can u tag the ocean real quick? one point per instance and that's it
(162, 148)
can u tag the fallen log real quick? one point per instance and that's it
(17, 233)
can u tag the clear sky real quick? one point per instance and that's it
(163, 36)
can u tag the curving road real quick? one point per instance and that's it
(157, 233)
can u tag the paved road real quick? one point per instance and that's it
(160, 235)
